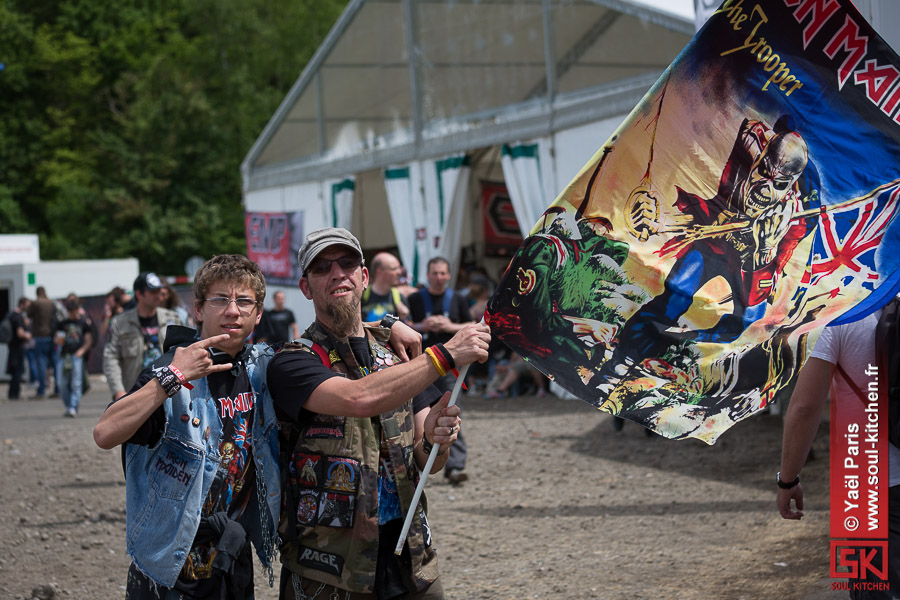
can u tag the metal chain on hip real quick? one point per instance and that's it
(269, 542)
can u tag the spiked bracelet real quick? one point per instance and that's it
(168, 380)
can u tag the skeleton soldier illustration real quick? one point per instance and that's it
(744, 234)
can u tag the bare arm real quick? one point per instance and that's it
(387, 389)
(800, 425)
(125, 416)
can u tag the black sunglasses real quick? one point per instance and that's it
(322, 266)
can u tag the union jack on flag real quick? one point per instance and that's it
(846, 238)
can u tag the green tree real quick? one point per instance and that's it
(124, 125)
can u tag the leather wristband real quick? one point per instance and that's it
(168, 380)
(788, 485)
(388, 320)
(428, 446)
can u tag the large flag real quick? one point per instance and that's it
(750, 198)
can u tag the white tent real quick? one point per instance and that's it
(409, 106)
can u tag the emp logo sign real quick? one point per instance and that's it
(859, 559)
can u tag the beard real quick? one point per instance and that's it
(345, 317)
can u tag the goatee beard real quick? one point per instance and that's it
(345, 318)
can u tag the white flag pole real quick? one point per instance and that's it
(428, 464)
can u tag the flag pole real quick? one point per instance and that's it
(428, 464)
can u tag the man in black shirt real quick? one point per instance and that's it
(355, 435)
(437, 313)
(74, 338)
(277, 325)
(20, 336)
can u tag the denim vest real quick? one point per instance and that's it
(168, 483)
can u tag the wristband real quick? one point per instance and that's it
(388, 320)
(168, 380)
(441, 352)
(181, 378)
(436, 362)
(428, 446)
(788, 485)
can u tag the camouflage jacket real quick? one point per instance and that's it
(329, 518)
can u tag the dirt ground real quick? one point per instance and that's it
(558, 506)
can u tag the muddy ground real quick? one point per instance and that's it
(558, 506)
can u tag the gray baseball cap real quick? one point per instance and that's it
(322, 239)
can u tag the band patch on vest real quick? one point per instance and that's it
(307, 507)
(325, 426)
(341, 474)
(321, 561)
(336, 510)
(304, 469)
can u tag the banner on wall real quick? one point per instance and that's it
(749, 199)
(273, 239)
(501, 227)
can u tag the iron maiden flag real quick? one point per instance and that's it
(748, 200)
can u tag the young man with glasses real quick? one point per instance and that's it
(355, 436)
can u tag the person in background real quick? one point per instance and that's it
(73, 336)
(382, 296)
(136, 336)
(42, 314)
(844, 359)
(278, 325)
(15, 364)
(438, 313)
(168, 298)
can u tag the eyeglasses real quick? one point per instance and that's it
(322, 266)
(245, 305)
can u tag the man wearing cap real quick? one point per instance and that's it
(355, 437)
(135, 336)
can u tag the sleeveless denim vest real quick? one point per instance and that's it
(168, 483)
(330, 520)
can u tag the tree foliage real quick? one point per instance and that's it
(124, 122)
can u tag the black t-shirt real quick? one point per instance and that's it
(16, 320)
(294, 376)
(275, 325)
(74, 331)
(150, 331)
(234, 486)
(458, 313)
(375, 306)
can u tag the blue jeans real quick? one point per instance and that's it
(68, 376)
(44, 352)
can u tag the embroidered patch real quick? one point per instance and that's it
(325, 426)
(307, 507)
(336, 510)
(341, 474)
(321, 561)
(304, 469)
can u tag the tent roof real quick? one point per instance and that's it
(482, 72)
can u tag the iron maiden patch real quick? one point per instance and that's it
(304, 469)
(336, 510)
(325, 426)
(321, 561)
(341, 474)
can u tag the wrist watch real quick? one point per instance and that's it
(788, 485)
(388, 320)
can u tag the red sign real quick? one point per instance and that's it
(501, 228)
(269, 245)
